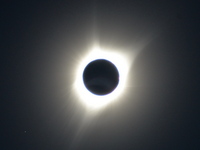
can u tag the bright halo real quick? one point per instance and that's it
(98, 101)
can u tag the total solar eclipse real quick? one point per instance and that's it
(100, 77)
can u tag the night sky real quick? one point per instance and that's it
(41, 45)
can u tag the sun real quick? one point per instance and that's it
(89, 99)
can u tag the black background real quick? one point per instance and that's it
(41, 43)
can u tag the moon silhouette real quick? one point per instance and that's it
(101, 77)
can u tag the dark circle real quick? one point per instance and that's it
(100, 77)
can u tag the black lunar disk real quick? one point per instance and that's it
(101, 77)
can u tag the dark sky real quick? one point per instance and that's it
(41, 43)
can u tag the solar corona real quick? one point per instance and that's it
(100, 77)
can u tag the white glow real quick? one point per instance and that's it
(95, 101)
